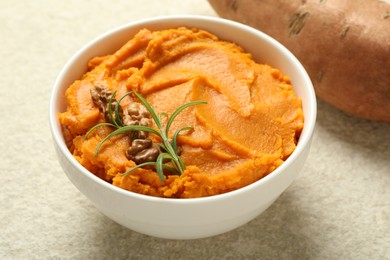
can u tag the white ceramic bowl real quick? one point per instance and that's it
(186, 218)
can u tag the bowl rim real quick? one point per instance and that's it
(304, 139)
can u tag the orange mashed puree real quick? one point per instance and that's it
(249, 127)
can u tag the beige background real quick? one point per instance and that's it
(338, 208)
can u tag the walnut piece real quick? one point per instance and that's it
(101, 97)
(143, 150)
(137, 114)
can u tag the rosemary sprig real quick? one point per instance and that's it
(169, 147)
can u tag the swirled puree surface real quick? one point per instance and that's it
(249, 127)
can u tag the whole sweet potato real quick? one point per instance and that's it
(343, 44)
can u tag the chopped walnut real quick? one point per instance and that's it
(137, 111)
(101, 97)
(137, 114)
(143, 150)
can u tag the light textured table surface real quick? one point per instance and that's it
(338, 207)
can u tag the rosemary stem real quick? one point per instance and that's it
(176, 159)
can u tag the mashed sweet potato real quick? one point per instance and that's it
(249, 127)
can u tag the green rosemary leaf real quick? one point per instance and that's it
(171, 169)
(178, 110)
(125, 130)
(174, 138)
(181, 164)
(159, 164)
(138, 166)
(175, 157)
(161, 115)
(96, 126)
(162, 147)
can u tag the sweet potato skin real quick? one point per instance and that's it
(343, 44)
